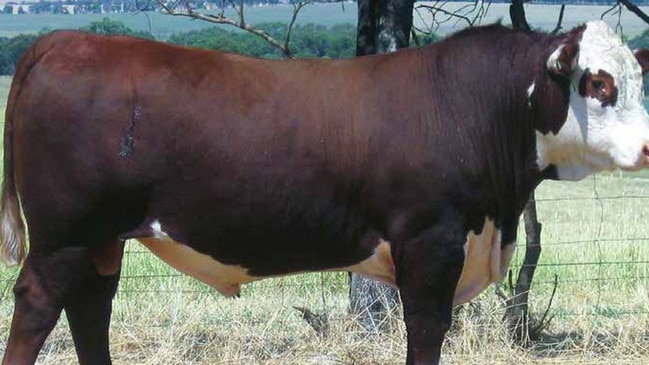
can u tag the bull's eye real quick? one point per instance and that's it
(597, 84)
(600, 86)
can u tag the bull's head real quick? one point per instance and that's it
(606, 126)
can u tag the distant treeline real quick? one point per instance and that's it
(308, 40)
(113, 6)
(119, 6)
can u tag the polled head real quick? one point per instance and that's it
(606, 126)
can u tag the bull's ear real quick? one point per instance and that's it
(563, 60)
(642, 55)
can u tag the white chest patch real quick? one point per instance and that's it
(484, 262)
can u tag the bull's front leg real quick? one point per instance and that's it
(428, 270)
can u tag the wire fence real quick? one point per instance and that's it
(578, 247)
(595, 240)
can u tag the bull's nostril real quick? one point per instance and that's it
(645, 150)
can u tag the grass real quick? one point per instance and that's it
(595, 240)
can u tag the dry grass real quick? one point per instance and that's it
(196, 328)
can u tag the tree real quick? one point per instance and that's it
(113, 27)
(186, 8)
(11, 49)
(383, 26)
(309, 40)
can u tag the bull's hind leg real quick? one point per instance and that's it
(88, 306)
(40, 290)
(64, 278)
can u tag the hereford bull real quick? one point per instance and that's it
(411, 168)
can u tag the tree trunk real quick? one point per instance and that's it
(394, 24)
(366, 27)
(372, 302)
(383, 26)
(517, 15)
(517, 313)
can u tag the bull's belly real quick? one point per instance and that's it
(227, 279)
(484, 263)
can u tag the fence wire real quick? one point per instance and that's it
(595, 270)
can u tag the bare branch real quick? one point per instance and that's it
(557, 29)
(240, 11)
(296, 9)
(615, 10)
(544, 322)
(635, 10)
(239, 22)
(434, 10)
(471, 13)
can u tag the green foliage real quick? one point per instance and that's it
(228, 41)
(424, 39)
(11, 49)
(309, 40)
(113, 27)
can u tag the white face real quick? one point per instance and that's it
(607, 126)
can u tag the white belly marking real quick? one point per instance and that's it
(484, 263)
(226, 279)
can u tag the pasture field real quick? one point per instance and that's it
(595, 240)
(162, 26)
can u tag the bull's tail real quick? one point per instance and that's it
(13, 245)
(12, 229)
